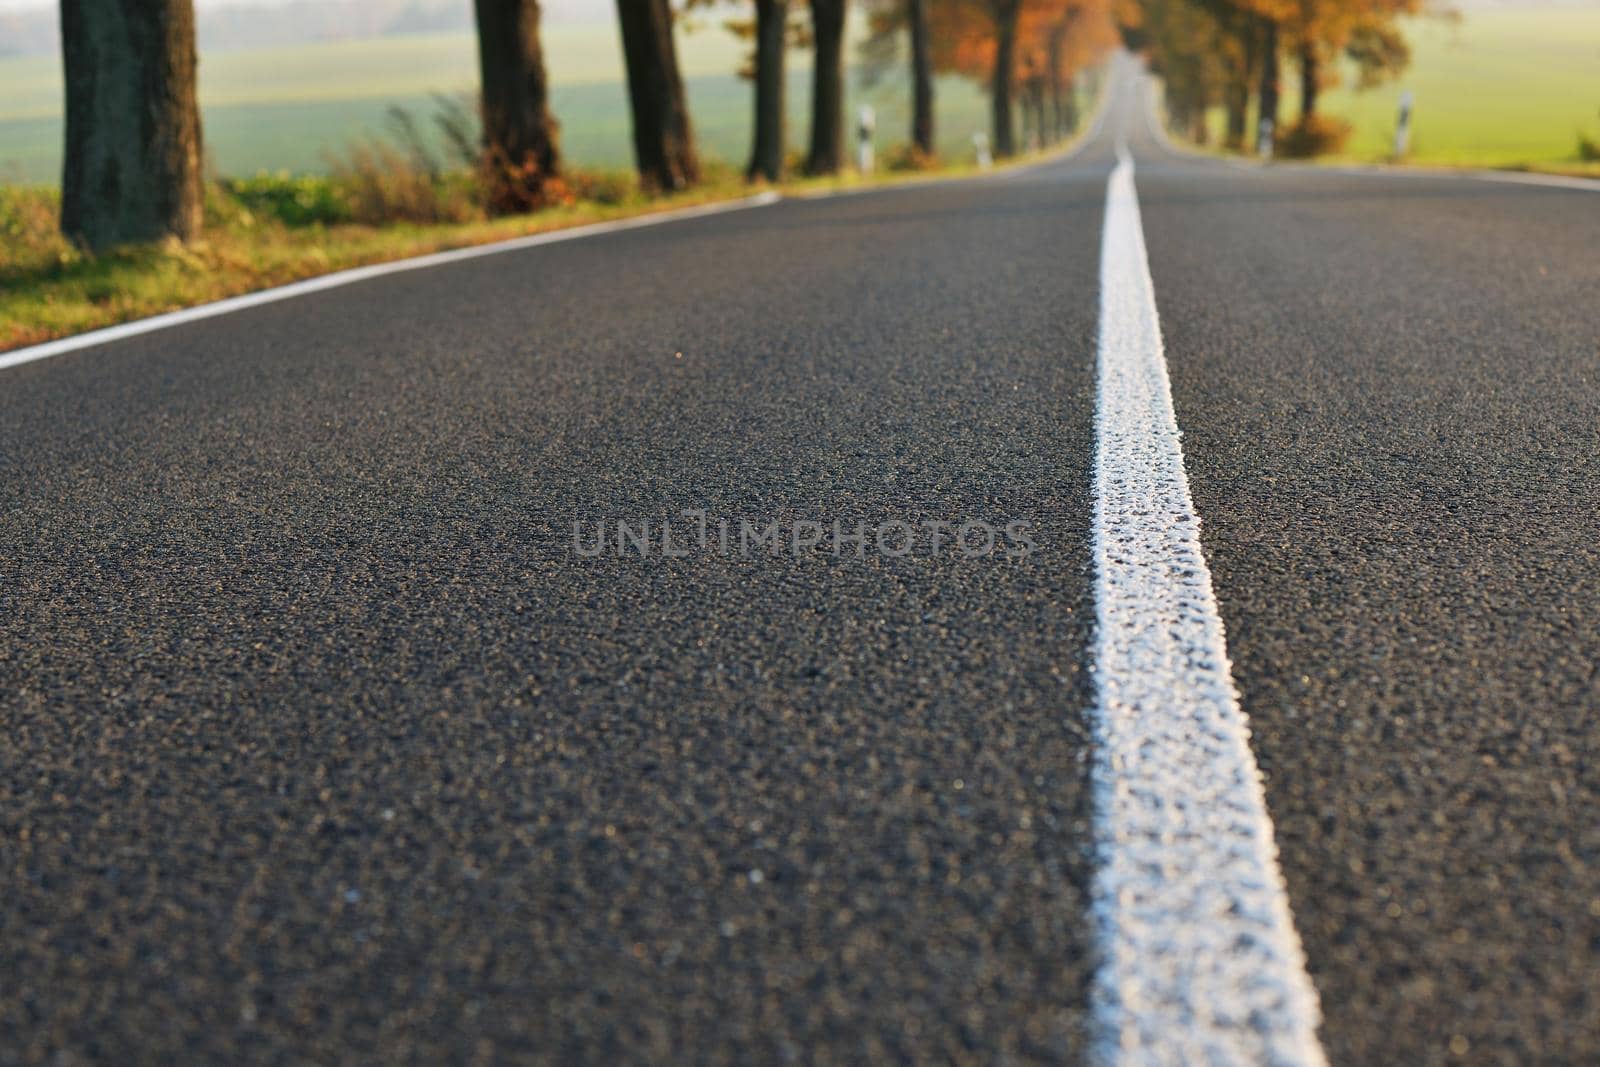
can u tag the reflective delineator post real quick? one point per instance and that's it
(980, 146)
(1402, 127)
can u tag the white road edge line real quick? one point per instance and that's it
(1198, 957)
(19, 356)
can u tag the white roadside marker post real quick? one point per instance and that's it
(1264, 139)
(980, 145)
(1402, 128)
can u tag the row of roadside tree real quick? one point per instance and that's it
(133, 131)
(133, 159)
(1230, 54)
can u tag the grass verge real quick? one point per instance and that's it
(1508, 89)
(272, 230)
(49, 289)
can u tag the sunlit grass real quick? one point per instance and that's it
(1512, 88)
(48, 288)
(278, 228)
(1501, 88)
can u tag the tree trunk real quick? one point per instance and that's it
(1178, 110)
(1238, 94)
(519, 134)
(1024, 105)
(827, 87)
(1269, 75)
(1035, 104)
(1057, 42)
(1005, 16)
(766, 154)
(1310, 78)
(132, 165)
(663, 142)
(921, 77)
(1238, 103)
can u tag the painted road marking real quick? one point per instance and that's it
(1199, 960)
(361, 274)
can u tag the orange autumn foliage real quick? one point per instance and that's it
(964, 35)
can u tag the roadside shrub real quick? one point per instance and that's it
(400, 177)
(294, 200)
(408, 176)
(28, 213)
(1588, 149)
(908, 158)
(715, 171)
(384, 184)
(607, 187)
(29, 234)
(794, 162)
(1315, 135)
(460, 123)
(510, 188)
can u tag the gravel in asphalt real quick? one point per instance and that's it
(318, 741)
(1390, 393)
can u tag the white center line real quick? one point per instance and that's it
(1199, 961)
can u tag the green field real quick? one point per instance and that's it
(288, 108)
(1500, 88)
(1494, 89)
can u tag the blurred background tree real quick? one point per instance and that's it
(1209, 52)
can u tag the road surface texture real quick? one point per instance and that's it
(322, 740)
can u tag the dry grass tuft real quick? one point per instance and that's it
(1313, 135)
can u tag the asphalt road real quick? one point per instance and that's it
(322, 740)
